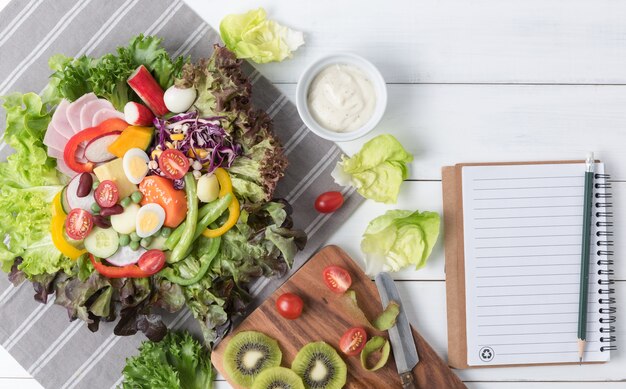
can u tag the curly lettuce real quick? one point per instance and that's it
(177, 361)
(224, 90)
(399, 239)
(106, 76)
(377, 170)
(251, 35)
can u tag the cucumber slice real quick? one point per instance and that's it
(158, 243)
(78, 202)
(125, 256)
(64, 204)
(125, 222)
(102, 242)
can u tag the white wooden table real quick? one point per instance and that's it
(484, 80)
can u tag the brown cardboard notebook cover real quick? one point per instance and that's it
(455, 259)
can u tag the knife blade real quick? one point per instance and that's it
(400, 335)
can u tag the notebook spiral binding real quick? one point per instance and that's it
(604, 245)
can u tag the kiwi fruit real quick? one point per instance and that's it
(320, 367)
(278, 378)
(249, 353)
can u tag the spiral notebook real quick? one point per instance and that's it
(513, 246)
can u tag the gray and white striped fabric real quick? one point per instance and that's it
(60, 354)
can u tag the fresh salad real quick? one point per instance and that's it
(141, 181)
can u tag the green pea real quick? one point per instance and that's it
(166, 231)
(134, 237)
(134, 245)
(95, 185)
(95, 207)
(124, 240)
(125, 202)
(145, 242)
(136, 197)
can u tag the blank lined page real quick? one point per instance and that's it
(522, 228)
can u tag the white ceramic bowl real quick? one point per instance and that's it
(302, 91)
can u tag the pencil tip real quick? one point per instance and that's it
(580, 360)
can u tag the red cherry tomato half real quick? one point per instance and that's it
(337, 278)
(151, 261)
(106, 194)
(353, 341)
(173, 164)
(78, 224)
(328, 202)
(289, 306)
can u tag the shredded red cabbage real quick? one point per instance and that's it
(205, 140)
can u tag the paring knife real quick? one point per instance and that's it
(400, 335)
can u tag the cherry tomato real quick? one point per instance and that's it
(106, 194)
(289, 306)
(328, 202)
(337, 278)
(78, 224)
(151, 261)
(173, 164)
(353, 341)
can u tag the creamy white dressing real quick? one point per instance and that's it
(341, 98)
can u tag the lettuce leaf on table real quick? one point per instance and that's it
(251, 35)
(398, 239)
(377, 170)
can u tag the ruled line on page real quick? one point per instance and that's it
(525, 178)
(531, 187)
(526, 236)
(524, 217)
(530, 197)
(533, 324)
(529, 207)
(542, 226)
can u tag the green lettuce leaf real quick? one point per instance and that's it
(252, 36)
(177, 361)
(377, 170)
(398, 239)
(106, 76)
(29, 181)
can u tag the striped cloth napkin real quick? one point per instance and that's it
(60, 354)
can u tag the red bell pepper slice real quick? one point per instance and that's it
(151, 262)
(69, 153)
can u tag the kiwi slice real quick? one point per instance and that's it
(320, 367)
(278, 378)
(249, 353)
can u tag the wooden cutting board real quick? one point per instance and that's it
(324, 318)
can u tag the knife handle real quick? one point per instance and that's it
(408, 382)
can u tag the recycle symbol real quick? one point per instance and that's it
(486, 354)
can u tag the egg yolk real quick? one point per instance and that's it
(149, 222)
(137, 167)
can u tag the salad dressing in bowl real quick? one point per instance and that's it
(341, 98)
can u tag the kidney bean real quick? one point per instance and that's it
(114, 210)
(85, 181)
(101, 221)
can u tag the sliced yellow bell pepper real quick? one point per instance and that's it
(226, 186)
(132, 137)
(57, 226)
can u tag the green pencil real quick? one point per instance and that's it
(584, 258)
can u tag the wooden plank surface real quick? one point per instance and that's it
(454, 41)
(326, 317)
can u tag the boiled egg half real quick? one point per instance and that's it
(150, 219)
(135, 165)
